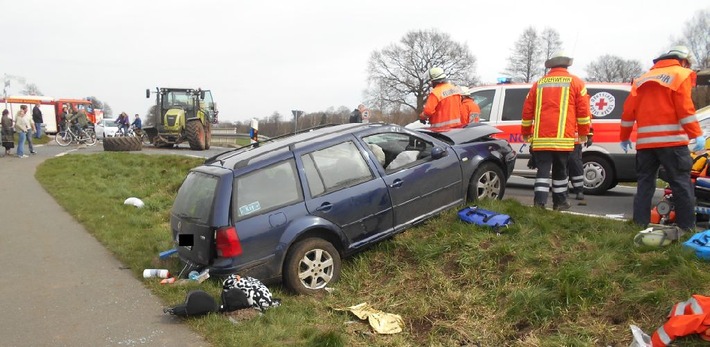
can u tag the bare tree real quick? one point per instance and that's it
(98, 104)
(526, 63)
(397, 74)
(550, 42)
(696, 35)
(31, 89)
(611, 68)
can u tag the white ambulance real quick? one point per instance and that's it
(605, 164)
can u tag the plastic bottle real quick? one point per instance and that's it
(160, 273)
(193, 275)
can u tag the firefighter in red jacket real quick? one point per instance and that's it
(661, 107)
(470, 112)
(443, 106)
(555, 113)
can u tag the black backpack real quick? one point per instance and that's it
(233, 299)
(197, 303)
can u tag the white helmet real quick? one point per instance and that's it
(559, 58)
(657, 237)
(465, 91)
(676, 52)
(436, 74)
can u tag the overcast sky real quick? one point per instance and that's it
(259, 57)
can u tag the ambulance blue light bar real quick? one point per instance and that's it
(505, 80)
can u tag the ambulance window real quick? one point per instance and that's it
(513, 104)
(484, 99)
(607, 103)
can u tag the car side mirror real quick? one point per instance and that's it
(438, 152)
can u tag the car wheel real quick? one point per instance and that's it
(598, 175)
(310, 265)
(487, 181)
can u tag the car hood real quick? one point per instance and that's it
(463, 135)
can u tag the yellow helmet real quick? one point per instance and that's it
(465, 91)
(655, 237)
(436, 74)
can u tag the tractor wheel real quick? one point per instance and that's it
(208, 136)
(196, 135)
(122, 144)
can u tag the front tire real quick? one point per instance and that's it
(598, 174)
(488, 181)
(196, 135)
(63, 138)
(311, 264)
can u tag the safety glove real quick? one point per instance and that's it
(699, 143)
(626, 146)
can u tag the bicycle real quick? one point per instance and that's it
(67, 136)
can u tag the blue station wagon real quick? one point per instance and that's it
(290, 209)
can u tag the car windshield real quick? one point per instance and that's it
(108, 122)
(195, 198)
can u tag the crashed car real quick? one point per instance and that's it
(292, 208)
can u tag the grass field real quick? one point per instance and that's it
(552, 279)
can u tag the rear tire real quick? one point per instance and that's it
(488, 181)
(122, 144)
(196, 135)
(311, 264)
(598, 174)
(208, 136)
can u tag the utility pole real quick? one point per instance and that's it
(296, 114)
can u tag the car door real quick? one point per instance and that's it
(344, 190)
(419, 185)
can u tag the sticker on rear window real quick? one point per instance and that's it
(250, 208)
(602, 104)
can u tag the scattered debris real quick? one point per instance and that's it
(134, 201)
(381, 322)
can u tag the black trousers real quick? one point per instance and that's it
(576, 170)
(556, 162)
(677, 163)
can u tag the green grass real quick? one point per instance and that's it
(552, 279)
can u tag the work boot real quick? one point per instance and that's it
(565, 205)
(580, 196)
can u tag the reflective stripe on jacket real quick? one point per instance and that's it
(470, 112)
(556, 110)
(686, 318)
(661, 107)
(443, 106)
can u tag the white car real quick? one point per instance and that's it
(106, 128)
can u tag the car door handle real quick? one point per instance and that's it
(325, 207)
(396, 184)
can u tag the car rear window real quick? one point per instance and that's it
(195, 198)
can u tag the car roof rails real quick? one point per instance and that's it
(237, 150)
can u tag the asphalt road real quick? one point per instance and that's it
(615, 203)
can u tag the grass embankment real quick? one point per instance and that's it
(553, 279)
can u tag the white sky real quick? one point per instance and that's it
(258, 57)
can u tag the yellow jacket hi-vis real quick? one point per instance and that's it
(556, 111)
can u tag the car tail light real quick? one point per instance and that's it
(228, 244)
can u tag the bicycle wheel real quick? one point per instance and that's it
(63, 138)
(87, 137)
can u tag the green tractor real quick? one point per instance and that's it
(181, 115)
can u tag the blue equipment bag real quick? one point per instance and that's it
(700, 242)
(479, 216)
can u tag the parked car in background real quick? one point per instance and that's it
(605, 164)
(106, 128)
(291, 208)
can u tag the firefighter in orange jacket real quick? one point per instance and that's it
(661, 107)
(555, 113)
(470, 112)
(443, 106)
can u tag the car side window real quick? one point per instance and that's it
(398, 150)
(267, 189)
(513, 103)
(484, 99)
(335, 168)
